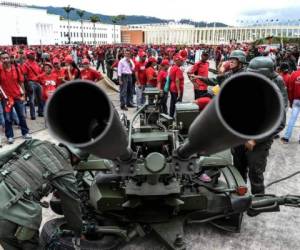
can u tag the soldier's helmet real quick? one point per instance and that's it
(262, 65)
(239, 55)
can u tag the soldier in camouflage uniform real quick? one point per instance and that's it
(253, 155)
(28, 173)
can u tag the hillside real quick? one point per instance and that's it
(129, 19)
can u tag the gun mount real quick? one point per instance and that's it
(148, 175)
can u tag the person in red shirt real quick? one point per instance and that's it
(183, 53)
(100, 59)
(48, 80)
(161, 81)
(284, 73)
(11, 80)
(32, 70)
(200, 69)
(294, 98)
(88, 73)
(141, 78)
(176, 83)
(59, 71)
(218, 56)
(72, 71)
(151, 73)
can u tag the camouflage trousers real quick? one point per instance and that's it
(9, 240)
(253, 163)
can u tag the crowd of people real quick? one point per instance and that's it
(29, 75)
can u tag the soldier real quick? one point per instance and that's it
(253, 155)
(28, 173)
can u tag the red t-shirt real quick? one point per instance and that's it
(176, 73)
(286, 78)
(162, 78)
(100, 55)
(60, 75)
(49, 84)
(151, 73)
(294, 86)
(9, 82)
(115, 64)
(200, 69)
(141, 70)
(74, 72)
(32, 70)
(91, 74)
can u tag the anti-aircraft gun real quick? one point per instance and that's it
(147, 176)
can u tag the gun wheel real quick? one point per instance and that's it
(51, 240)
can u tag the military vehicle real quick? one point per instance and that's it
(142, 175)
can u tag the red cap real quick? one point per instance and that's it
(178, 57)
(142, 54)
(85, 61)
(152, 59)
(68, 59)
(56, 61)
(30, 52)
(165, 62)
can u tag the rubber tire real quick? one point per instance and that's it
(107, 242)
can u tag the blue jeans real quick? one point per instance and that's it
(174, 100)
(35, 93)
(293, 119)
(2, 121)
(19, 107)
(14, 117)
(126, 90)
(140, 98)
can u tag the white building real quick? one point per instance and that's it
(104, 32)
(24, 25)
(189, 34)
(20, 24)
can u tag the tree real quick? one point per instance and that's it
(94, 19)
(115, 20)
(68, 9)
(81, 13)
